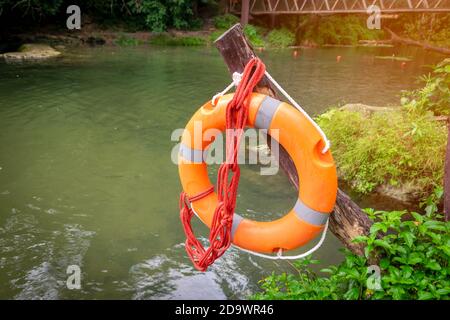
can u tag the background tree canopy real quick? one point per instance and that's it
(154, 15)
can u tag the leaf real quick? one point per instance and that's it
(327, 270)
(384, 263)
(382, 243)
(423, 295)
(414, 258)
(408, 237)
(433, 265)
(352, 294)
(418, 217)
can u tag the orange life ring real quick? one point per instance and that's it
(303, 142)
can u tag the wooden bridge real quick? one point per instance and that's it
(276, 7)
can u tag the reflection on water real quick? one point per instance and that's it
(86, 177)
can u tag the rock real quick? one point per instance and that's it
(95, 40)
(364, 109)
(405, 192)
(30, 52)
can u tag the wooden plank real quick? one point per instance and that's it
(348, 220)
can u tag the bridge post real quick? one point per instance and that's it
(245, 9)
(348, 220)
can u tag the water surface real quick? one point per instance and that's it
(86, 176)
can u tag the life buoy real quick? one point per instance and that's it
(303, 142)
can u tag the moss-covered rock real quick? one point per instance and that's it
(30, 52)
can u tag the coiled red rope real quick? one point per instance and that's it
(227, 176)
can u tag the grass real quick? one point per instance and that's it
(168, 40)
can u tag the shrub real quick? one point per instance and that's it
(254, 35)
(340, 30)
(281, 38)
(413, 259)
(215, 34)
(393, 147)
(435, 95)
(162, 14)
(125, 41)
(433, 28)
(225, 21)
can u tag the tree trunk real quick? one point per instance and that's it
(396, 39)
(347, 220)
(245, 10)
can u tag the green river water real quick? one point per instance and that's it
(86, 176)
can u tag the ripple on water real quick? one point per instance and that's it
(161, 277)
(36, 269)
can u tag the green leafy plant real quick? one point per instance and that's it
(225, 21)
(387, 148)
(254, 35)
(281, 38)
(435, 95)
(339, 30)
(432, 28)
(413, 253)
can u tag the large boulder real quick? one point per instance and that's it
(31, 51)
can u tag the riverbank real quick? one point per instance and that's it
(388, 150)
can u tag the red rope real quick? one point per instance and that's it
(227, 177)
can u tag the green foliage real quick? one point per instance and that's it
(153, 11)
(126, 41)
(435, 95)
(254, 35)
(281, 38)
(340, 30)
(215, 34)
(155, 15)
(413, 253)
(431, 28)
(162, 14)
(35, 8)
(392, 147)
(225, 21)
(168, 40)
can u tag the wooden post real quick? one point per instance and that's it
(447, 178)
(348, 220)
(245, 10)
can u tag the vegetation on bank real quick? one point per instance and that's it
(402, 148)
(434, 96)
(431, 28)
(338, 30)
(406, 254)
(152, 15)
(412, 252)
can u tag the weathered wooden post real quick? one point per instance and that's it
(348, 220)
(447, 176)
